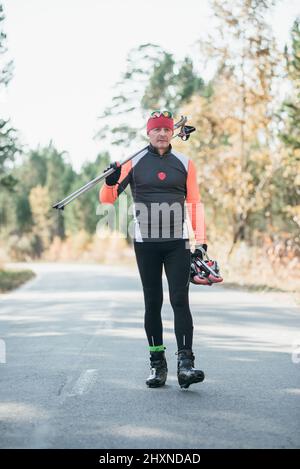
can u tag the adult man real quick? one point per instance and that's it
(163, 184)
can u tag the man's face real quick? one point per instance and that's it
(160, 138)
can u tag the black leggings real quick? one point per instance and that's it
(176, 258)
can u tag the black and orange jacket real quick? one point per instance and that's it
(161, 181)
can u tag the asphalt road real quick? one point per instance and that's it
(76, 362)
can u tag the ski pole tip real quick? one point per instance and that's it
(58, 207)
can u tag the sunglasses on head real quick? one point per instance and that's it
(161, 113)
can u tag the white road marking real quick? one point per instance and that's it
(84, 383)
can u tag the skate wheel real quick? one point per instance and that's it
(184, 386)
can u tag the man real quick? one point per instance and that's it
(163, 183)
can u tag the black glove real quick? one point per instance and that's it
(113, 178)
(198, 252)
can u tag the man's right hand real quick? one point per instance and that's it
(113, 178)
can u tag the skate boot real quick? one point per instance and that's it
(159, 370)
(186, 373)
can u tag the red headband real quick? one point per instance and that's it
(160, 122)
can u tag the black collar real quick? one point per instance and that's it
(154, 150)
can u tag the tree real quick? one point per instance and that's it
(8, 138)
(81, 213)
(291, 106)
(40, 208)
(153, 80)
(59, 180)
(237, 137)
(171, 84)
(287, 183)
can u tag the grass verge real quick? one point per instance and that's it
(10, 279)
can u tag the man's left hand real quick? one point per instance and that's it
(199, 250)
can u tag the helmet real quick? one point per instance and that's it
(204, 271)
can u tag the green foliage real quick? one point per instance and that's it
(81, 213)
(153, 80)
(8, 138)
(6, 69)
(45, 177)
(291, 106)
(249, 178)
(10, 279)
(169, 88)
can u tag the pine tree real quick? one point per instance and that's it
(287, 183)
(8, 138)
(291, 135)
(153, 80)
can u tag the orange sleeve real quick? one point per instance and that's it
(109, 194)
(194, 205)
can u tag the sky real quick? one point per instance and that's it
(69, 53)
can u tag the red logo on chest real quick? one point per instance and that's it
(162, 175)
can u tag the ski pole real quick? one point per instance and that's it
(184, 134)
